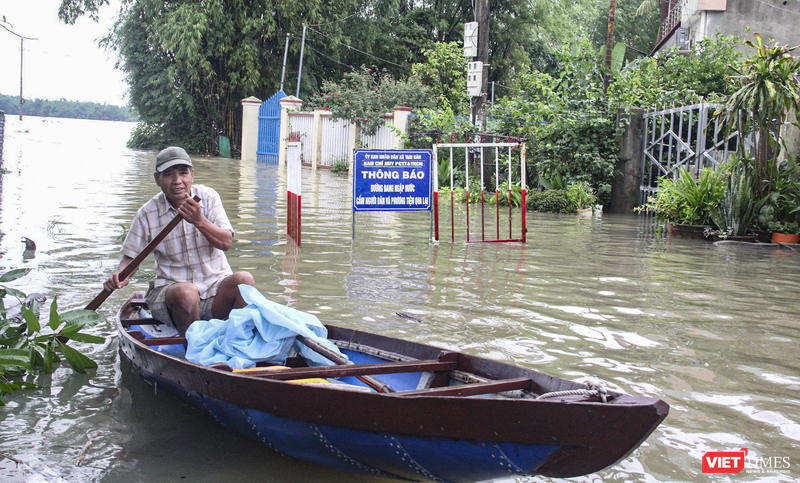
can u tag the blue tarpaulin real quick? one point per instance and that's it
(263, 331)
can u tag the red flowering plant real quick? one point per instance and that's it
(364, 96)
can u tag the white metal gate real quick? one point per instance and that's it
(692, 137)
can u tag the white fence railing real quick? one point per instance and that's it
(334, 141)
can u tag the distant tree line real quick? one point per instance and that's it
(67, 109)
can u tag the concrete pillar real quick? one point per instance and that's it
(316, 139)
(250, 128)
(401, 124)
(628, 169)
(790, 135)
(288, 104)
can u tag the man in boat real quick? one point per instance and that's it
(193, 278)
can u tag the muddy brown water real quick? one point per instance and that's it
(711, 329)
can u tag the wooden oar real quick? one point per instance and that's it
(131, 267)
(341, 360)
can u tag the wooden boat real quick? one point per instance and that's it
(452, 416)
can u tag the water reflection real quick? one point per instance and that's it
(711, 329)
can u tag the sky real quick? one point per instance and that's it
(65, 60)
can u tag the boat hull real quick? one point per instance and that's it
(423, 437)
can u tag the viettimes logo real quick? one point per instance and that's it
(736, 461)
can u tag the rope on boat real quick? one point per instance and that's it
(593, 389)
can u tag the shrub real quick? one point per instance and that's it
(551, 201)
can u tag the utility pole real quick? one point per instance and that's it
(612, 11)
(21, 100)
(285, 51)
(300, 71)
(21, 50)
(479, 103)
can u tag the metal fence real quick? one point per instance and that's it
(690, 137)
(335, 137)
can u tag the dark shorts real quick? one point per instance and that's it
(156, 302)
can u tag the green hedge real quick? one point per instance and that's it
(551, 201)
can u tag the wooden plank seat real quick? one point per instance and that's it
(140, 321)
(472, 389)
(353, 370)
(156, 340)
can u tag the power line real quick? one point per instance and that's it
(357, 50)
(335, 21)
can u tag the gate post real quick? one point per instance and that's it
(400, 123)
(316, 142)
(288, 103)
(250, 128)
(628, 168)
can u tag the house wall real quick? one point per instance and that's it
(773, 19)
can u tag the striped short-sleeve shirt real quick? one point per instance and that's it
(185, 255)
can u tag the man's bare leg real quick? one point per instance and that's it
(228, 296)
(183, 302)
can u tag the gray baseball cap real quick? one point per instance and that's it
(170, 157)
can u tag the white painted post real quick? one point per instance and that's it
(316, 143)
(250, 128)
(288, 104)
(401, 124)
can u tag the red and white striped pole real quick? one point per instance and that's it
(294, 190)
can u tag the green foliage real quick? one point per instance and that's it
(635, 32)
(63, 108)
(740, 204)
(685, 200)
(364, 97)
(340, 167)
(566, 119)
(444, 72)
(582, 195)
(782, 204)
(673, 79)
(768, 89)
(515, 192)
(551, 201)
(787, 228)
(28, 344)
(556, 182)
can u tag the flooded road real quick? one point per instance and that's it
(711, 329)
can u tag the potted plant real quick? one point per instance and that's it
(736, 213)
(582, 195)
(784, 231)
(781, 211)
(685, 203)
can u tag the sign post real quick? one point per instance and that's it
(392, 180)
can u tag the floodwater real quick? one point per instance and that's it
(710, 329)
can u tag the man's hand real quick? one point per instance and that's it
(114, 283)
(192, 212)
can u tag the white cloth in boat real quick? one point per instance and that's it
(263, 331)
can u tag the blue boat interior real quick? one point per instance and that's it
(400, 382)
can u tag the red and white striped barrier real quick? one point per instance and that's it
(294, 188)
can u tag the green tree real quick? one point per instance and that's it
(363, 97)
(445, 73)
(190, 63)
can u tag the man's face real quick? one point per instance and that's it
(176, 183)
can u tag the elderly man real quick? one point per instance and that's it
(193, 278)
